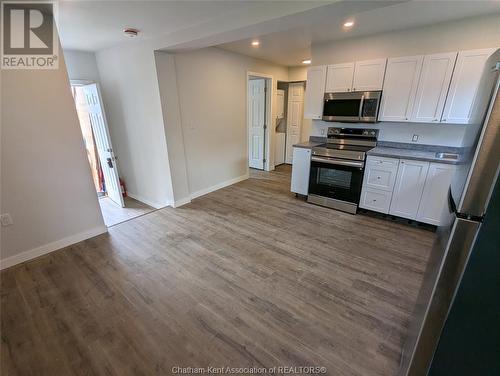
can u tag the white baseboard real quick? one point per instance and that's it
(51, 247)
(154, 204)
(215, 187)
(182, 201)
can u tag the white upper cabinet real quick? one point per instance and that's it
(408, 188)
(315, 92)
(433, 87)
(464, 84)
(400, 87)
(369, 75)
(339, 78)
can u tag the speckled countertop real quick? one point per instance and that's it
(419, 152)
(313, 142)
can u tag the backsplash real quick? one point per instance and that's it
(418, 133)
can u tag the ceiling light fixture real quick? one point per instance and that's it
(255, 43)
(307, 61)
(349, 24)
(130, 32)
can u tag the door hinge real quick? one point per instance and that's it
(264, 160)
(265, 126)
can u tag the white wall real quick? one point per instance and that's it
(45, 176)
(212, 86)
(133, 108)
(297, 73)
(81, 65)
(167, 79)
(480, 32)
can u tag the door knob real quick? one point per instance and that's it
(110, 162)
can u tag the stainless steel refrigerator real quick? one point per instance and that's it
(468, 199)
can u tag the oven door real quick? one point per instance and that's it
(336, 179)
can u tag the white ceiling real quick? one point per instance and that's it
(90, 25)
(286, 29)
(292, 46)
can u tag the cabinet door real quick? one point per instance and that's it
(408, 188)
(433, 204)
(339, 78)
(400, 87)
(315, 92)
(300, 170)
(464, 84)
(369, 75)
(432, 87)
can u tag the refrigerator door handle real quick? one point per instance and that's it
(451, 202)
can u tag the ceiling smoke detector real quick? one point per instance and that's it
(130, 32)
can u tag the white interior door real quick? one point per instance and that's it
(107, 158)
(294, 118)
(256, 122)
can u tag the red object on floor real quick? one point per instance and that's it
(123, 188)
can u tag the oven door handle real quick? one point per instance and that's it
(340, 162)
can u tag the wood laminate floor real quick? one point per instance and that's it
(245, 276)
(113, 214)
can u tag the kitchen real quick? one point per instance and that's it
(350, 169)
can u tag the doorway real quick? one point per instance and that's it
(289, 119)
(116, 207)
(258, 119)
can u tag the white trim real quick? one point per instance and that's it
(51, 247)
(216, 187)
(213, 188)
(154, 204)
(180, 202)
(81, 82)
(268, 138)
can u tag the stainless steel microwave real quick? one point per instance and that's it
(352, 107)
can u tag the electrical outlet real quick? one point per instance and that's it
(323, 132)
(6, 219)
(415, 138)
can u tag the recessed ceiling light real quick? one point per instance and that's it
(130, 32)
(349, 24)
(255, 43)
(307, 61)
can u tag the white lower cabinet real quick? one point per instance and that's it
(375, 199)
(434, 200)
(407, 188)
(381, 173)
(301, 166)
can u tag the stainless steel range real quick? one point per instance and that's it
(337, 168)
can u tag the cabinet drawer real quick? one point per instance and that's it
(389, 164)
(380, 178)
(375, 199)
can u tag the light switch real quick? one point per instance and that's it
(415, 138)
